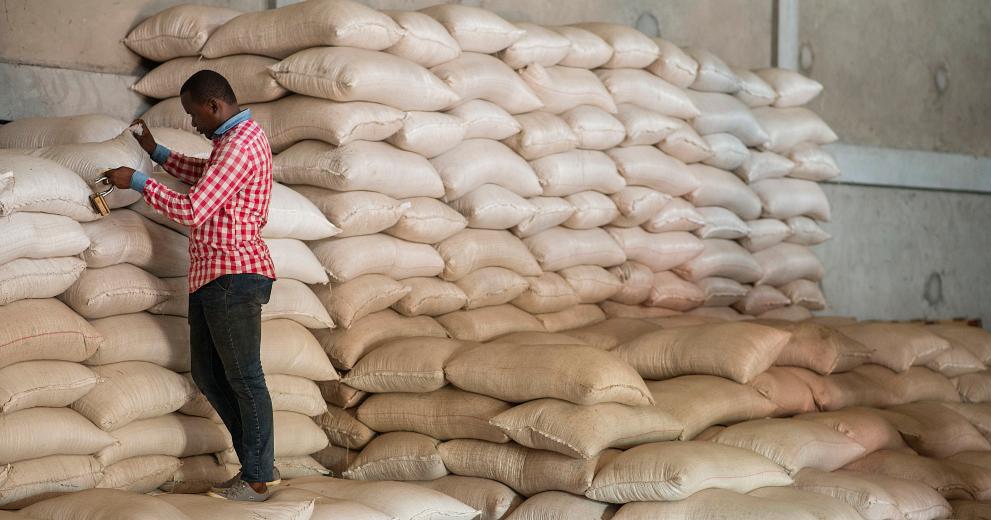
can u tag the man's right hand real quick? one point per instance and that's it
(146, 140)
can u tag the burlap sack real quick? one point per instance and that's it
(40, 235)
(430, 297)
(38, 329)
(398, 456)
(864, 425)
(43, 432)
(405, 365)
(429, 133)
(494, 499)
(711, 502)
(488, 322)
(525, 470)
(949, 478)
(576, 171)
(670, 291)
(493, 207)
(793, 88)
(699, 402)
(676, 470)
(897, 346)
(355, 212)
(558, 505)
(491, 286)
(548, 292)
(349, 302)
(474, 28)
(485, 120)
(473, 249)
(573, 318)
(396, 499)
(427, 221)
(788, 388)
(35, 132)
(346, 346)
(637, 281)
(126, 237)
(584, 431)
(721, 223)
(551, 212)
(538, 45)
(348, 258)
(343, 429)
(561, 89)
(180, 30)
(27, 278)
(760, 300)
(50, 384)
(133, 390)
(139, 474)
(483, 161)
(933, 430)
(248, 75)
(792, 444)
(443, 414)
(592, 210)
(34, 184)
(975, 339)
(582, 375)
(720, 188)
(591, 283)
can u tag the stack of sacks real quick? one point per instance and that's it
(45, 446)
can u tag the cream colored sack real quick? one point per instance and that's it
(474, 28)
(806, 232)
(429, 133)
(398, 456)
(49, 384)
(33, 184)
(31, 279)
(648, 166)
(761, 300)
(133, 390)
(174, 434)
(491, 206)
(344, 74)
(582, 375)
(897, 346)
(642, 88)
(180, 30)
(645, 127)
(573, 318)
(764, 165)
(538, 45)
(813, 163)
(207, 507)
(793, 89)
(591, 283)
(248, 75)
(722, 258)
(542, 134)
(588, 51)
(343, 429)
(721, 292)
(668, 471)
(728, 152)
(162, 340)
(561, 89)
(785, 263)
(114, 290)
(395, 499)
(736, 351)
(699, 402)
(356, 213)
(596, 129)
(551, 212)
(793, 444)
(685, 144)
(485, 120)
(754, 91)
(804, 293)
(722, 113)
(525, 470)
(673, 64)
(571, 172)
(721, 223)
(39, 329)
(297, 118)
(424, 41)
(35, 132)
(788, 127)
(631, 48)
(713, 73)
(353, 300)
(479, 76)
(32, 481)
(43, 432)
(320, 22)
(721, 188)
(786, 198)
(559, 248)
(658, 251)
(592, 210)
(427, 221)
(444, 414)
(482, 161)
(494, 499)
(585, 431)
(40, 235)
(126, 237)
(670, 291)
(637, 281)
(348, 258)
(488, 322)
(637, 204)
(473, 249)
(676, 215)
(430, 297)
(764, 233)
(293, 300)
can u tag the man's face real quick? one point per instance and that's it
(205, 116)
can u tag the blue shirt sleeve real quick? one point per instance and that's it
(138, 180)
(161, 154)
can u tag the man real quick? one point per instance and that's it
(231, 271)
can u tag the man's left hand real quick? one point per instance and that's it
(120, 177)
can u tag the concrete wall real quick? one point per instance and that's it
(909, 74)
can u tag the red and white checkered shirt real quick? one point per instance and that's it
(227, 206)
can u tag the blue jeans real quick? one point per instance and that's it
(225, 354)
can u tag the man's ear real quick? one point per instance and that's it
(214, 106)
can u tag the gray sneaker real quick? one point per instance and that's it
(218, 488)
(240, 491)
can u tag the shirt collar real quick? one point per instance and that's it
(237, 119)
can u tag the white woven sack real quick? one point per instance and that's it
(588, 50)
(38, 278)
(315, 22)
(35, 132)
(642, 88)
(596, 129)
(485, 120)
(482, 161)
(480, 76)
(127, 237)
(344, 74)
(33, 184)
(538, 45)
(180, 30)
(429, 133)
(40, 235)
(347, 258)
(563, 88)
(631, 48)
(424, 41)
(474, 28)
(673, 64)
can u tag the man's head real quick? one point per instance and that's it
(209, 100)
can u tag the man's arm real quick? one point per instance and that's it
(221, 179)
(186, 169)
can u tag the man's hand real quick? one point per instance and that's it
(146, 140)
(120, 177)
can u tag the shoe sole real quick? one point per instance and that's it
(221, 497)
(213, 491)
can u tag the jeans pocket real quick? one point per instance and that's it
(264, 290)
(225, 281)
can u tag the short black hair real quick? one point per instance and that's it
(206, 85)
